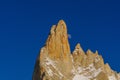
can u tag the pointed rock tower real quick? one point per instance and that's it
(55, 59)
(57, 43)
(56, 62)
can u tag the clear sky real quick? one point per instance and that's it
(25, 24)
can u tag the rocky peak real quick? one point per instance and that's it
(79, 49)
(57, 43)
(56, 62)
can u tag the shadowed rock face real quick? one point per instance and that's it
(56, 62)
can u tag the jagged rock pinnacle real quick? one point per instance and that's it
(57, 43)
(77, 46)
(56, 62)
(78, 50)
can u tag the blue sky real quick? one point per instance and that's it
(25, 24)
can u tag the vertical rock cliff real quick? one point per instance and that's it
(56, 62)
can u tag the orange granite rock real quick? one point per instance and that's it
(56, 62)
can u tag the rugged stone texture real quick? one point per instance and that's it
(58, 42)
(56, 62)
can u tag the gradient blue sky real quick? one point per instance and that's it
(25, 24)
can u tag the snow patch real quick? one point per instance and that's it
(112, 77)
(49, 62)
(79, 69)
(89, 72)
(80, 77)
(97, 72)
(50, 72)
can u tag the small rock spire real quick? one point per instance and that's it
(78, 46)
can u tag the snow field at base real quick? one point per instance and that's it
(80, 77)
(49, 62)
(86, 73)
(112, 77)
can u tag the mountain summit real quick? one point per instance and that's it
(56, 62)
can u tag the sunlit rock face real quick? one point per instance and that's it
(57, 62)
